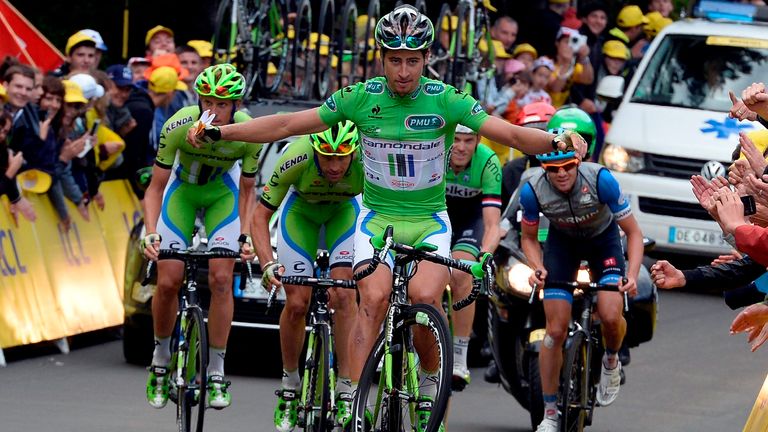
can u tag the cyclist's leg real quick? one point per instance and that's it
(466, 245)
(561, 263)
(373, 290)
(339, 237)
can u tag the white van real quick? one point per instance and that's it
(673, 121)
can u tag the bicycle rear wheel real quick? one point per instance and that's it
(324, 51)
(346, 46)
(271, 41)
(575, 384)
(316, 395)
(191, 395)
(371, 51)
(302, 62)
(388, 401)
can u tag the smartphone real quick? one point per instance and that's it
(749, 205)
(42, 115)
(95, 127)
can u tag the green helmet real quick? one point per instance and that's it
(575, 119)
(339, 140)
(221, 81)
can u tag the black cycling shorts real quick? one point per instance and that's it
(467, 235)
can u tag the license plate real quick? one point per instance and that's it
(253, 290)
(697, 237)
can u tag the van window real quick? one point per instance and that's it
(693, 71)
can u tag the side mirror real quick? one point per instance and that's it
(610, 88)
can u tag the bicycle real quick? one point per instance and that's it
(189, 345)
(253, 34)
(460, 63)
(582, 355)
(389, 400)
(317, 404)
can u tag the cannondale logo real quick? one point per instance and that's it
(712, 170)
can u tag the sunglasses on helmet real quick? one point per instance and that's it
(397, 42)
(342, 149)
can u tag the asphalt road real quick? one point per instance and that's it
(693, 376)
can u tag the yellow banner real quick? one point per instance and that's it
(56, 282)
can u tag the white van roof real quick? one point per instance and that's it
(699, 26)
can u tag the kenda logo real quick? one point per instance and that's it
(292, 162)
(330, 103)
(434, 88)
(374, 87)
(177, 123)
(424, 122)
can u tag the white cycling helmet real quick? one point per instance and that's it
(405, 28)
(461, 129)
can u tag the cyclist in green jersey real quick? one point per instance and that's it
(406, 124)
(473, 197)
(186, 179)
(318, 181)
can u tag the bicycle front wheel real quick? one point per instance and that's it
(316, 395)
(575, 384)
(390, 400)
(190, 407)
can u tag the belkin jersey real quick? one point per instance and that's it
(593, 204)
(404, 140)
(478, 186)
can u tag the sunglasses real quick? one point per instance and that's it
(342, 149)
(555, 168)
(410, 42)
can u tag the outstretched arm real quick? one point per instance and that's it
(529, 140)
(265, 129)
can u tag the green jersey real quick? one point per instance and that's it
(205, 164)
(404, 140)
(298, 167)
(477, 186)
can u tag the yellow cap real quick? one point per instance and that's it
(73, 93)
(525, 48)
(759, 138)
(77, 39)
(360, 26)
(616, 49)
(165, 79)
(3, 94)
(656, 23)
(449, 20)
(325, 41)
(155, 30)
(498, 48)
(203, 48)
(271, 69)
(33, 180)
(631, 16)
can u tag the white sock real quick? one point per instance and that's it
(216, 361)
(428, 383)
(460, 348)
(343, 385)
(291, 379)
(162, 354)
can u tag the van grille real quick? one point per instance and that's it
(673, 208)
(674, 167)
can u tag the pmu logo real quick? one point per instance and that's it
(330, 103)
(374, 87)
(401, 165)
(433, 88)
(421, 122)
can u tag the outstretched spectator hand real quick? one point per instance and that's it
(738, 173)
(739, 110)
(756, 99)
(758, 189)
(14, 163)
(704, 190)
(730, 210)
(752, 319)
(24, 207)
(71, 148)
(726, 258)
(752, 154)
(667, 276)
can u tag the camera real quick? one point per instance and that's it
(576, 41)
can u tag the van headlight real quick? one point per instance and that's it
(517, 278)
(617, 158)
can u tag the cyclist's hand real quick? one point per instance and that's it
(203, 131)
(570, 140)
(630, 287)
(666, 276)
(268, 277)
(538, 278)
(246, 247)
(150, 245)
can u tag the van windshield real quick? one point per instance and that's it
(698, 71)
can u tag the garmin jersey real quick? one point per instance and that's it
(595, 202)
(205, 164)
(298, 167)
(404, 140)
(478, 186)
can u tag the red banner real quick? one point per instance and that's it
(20, 39)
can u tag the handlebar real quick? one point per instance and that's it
(482, 271)
(584, 286)
(187, 255)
